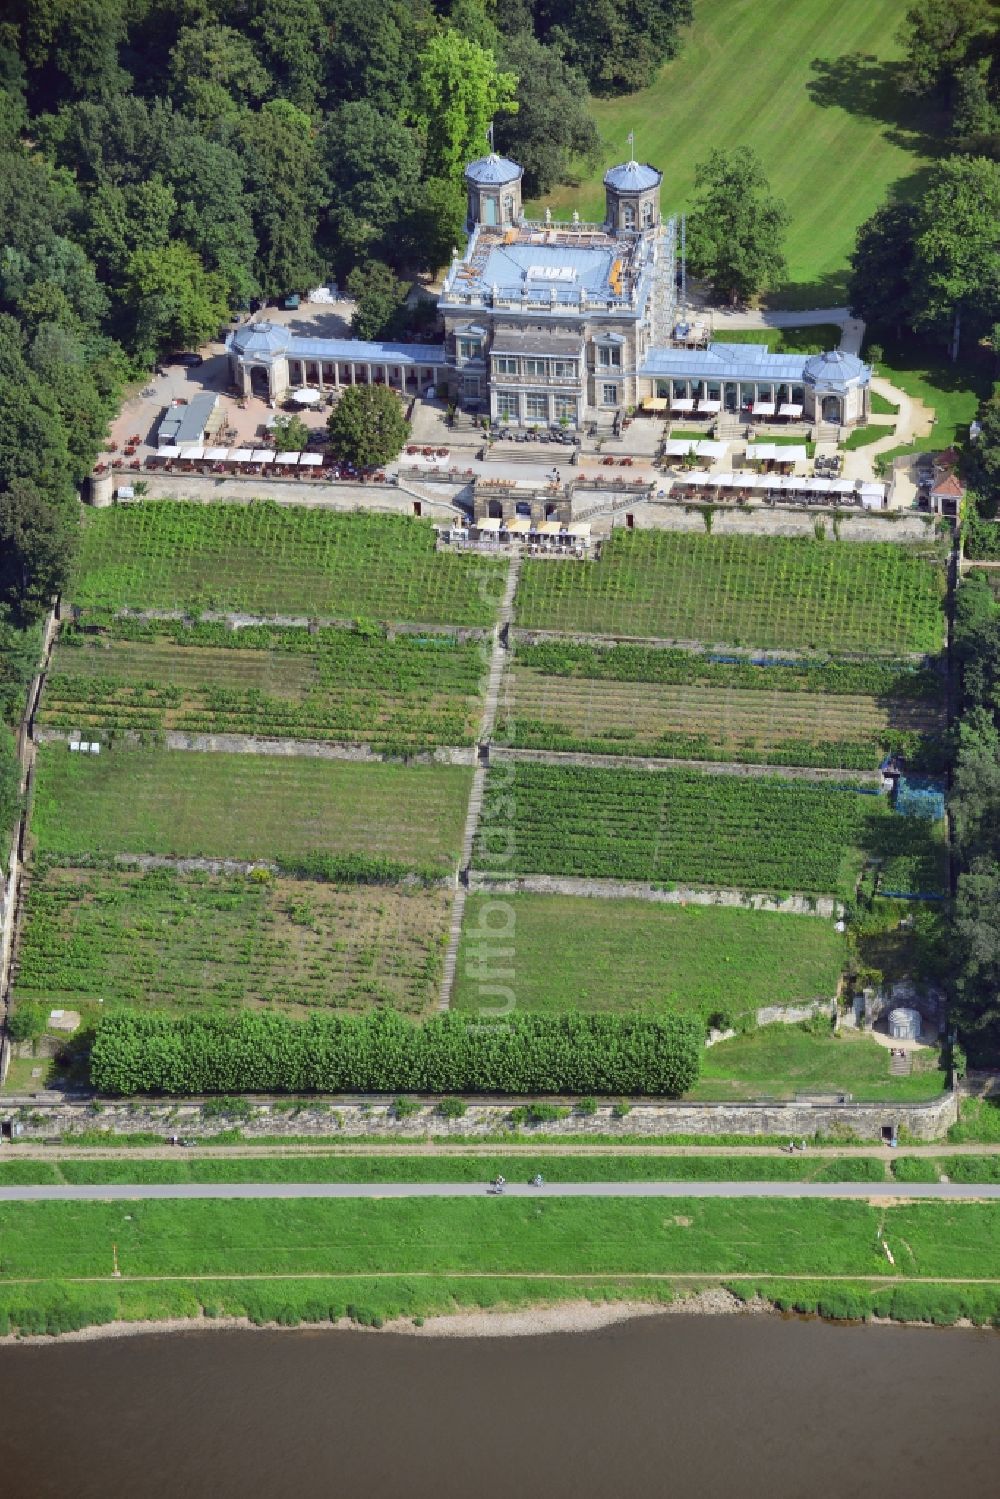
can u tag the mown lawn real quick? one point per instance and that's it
(780, 1061)
(924, 371)
(576, 953)
(156, 801)
(814, 89)
(814, 338)
(584, 1236)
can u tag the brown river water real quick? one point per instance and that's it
(690, 1407)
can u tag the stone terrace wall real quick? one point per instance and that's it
(352, 1118)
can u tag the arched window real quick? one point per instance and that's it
(629, 216)
(508, 208)
(647, 214)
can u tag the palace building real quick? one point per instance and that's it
(549, 322)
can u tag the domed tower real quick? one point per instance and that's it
(632, 195)
(494, 188)
(837, 388)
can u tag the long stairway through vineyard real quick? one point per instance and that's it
(498, 661)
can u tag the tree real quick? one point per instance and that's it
(215, 74)
(290, 434)
(459, 91)
(367, 426)
(284, 187)
(379, 295)
(939, 36)
(977, 944)
(10, 785)
(553, 123)
(881, 267)
(174, 300)
(37, 543)
(373, 164)
(735, 230)
(618, 44)
(956, 248)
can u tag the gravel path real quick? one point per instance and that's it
(896, 1191)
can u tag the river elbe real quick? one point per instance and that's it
(690, 1407)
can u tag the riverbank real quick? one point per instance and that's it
(542, 1320)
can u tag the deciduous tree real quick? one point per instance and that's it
(735, 227)
(367, 426)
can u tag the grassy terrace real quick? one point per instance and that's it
(154, 801)
(763, 591)
(577, 953)
(780, 1061)
(775, 77)
(336, 685)
(687, 827)
(269, 559)
(182, 941)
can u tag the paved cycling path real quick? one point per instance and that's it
(895, 1191)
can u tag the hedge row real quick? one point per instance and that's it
(381, 1052)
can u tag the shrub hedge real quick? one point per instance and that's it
(381, 1052)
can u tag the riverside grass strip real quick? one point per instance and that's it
(772, 592)
(452, 1168)
(265, 558)
(684, 826)
(226, 806)
(204, 941)
(335, 686)
(593, 1236)
(575, 953)
(49, 1308)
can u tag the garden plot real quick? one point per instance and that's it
(182, 941)
(776, 592)
(181, 804)
(683, 826)
(712, 722)
(336, 686)
(577, 953)
(268, 559)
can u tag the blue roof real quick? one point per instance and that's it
(722, 361)
(262, 344)
(632, 177)
(836, 368)
(492, 170)
(532, 266)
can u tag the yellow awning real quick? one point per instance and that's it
(655, 403)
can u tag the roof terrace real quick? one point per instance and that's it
(550, 268)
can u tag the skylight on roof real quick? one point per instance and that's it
(563, 273)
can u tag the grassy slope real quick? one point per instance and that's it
(246, 807)
(746, 75)
(628, 954)
(447, 1168)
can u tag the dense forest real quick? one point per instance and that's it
(163, 162)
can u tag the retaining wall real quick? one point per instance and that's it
(350, 1118)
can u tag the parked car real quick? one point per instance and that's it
(192, 361)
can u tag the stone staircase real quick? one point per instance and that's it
(551, 453)
(827, 432)
(498, 661)
(900, 1064)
